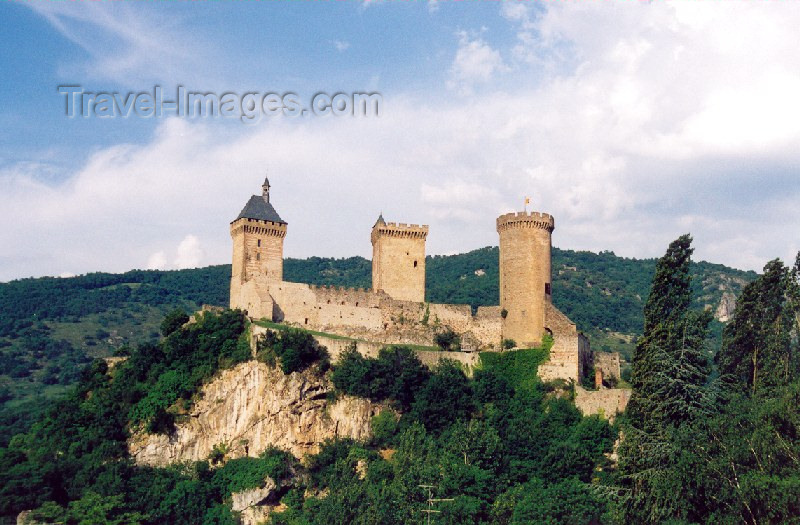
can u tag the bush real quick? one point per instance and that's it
(446, 397)
(295, 349)
(448, 340)
(508, 344)
(173, 321)
(396, 375)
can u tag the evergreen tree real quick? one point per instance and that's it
(757, 344)
(670, 370)
(670, 365)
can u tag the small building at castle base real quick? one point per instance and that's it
(394, 311)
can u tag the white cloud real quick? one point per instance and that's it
(157, 261)
(190, 254)
(475, 62)
(127, 43)
(341, 45)
(651, 119)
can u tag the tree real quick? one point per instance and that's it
(670, 364)
(670, 370)
(757, 349)
(173, 321)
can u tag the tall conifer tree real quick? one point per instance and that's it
(670, 370)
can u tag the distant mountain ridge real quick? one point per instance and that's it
(50, 327)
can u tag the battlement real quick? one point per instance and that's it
(521, 219)
(400, 229)
(259, 227)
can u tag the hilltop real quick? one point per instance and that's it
(51, 327)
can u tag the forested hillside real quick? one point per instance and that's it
(703, 441)
(50, 327)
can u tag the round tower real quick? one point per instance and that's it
(524, 274)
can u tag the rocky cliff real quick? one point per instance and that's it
(251, 407)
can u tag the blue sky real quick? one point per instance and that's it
(630, 122)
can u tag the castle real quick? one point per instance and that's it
(394, 310)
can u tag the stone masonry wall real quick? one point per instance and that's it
(565, 354)
(606, 402)
(607, 363)
(398, 260)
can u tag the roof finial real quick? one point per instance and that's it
(265, 189)
(380, 220)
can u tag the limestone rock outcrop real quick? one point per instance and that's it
(251, 407)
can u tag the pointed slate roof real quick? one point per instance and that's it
(258, 208)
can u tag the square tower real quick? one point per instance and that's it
(257, 234)
(398, 260)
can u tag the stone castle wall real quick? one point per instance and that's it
(524, 274)
(363, 314)
(570, 352)
(398, 260)
(606, 402)
(607, 365)
(430, 358)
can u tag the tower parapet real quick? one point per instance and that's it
(398, 259)
(522, 219)
(525, 274)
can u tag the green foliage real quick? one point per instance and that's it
(448, 340)
(186, 359)
(758, 347)
(670, 366)
(508, 344)
(567, 502)
(249, 473)
(384, 427)
(396, 375)
(173, 321)
(294, 348)
(445, 398)
(670, 371)
(517, 367)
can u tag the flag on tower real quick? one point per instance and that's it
(527, 200)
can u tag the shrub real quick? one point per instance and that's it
(173, 321)
(448, 340)
(295, 349)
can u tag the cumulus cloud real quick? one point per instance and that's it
(190, 254)
(157, 261)
(649, 120)
(475, 62)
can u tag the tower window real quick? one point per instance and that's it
(258, 257)
(415, 264)
(547, 289)
(259, 243)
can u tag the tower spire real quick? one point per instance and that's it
(265, 189)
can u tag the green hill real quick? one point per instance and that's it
(50, 327)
